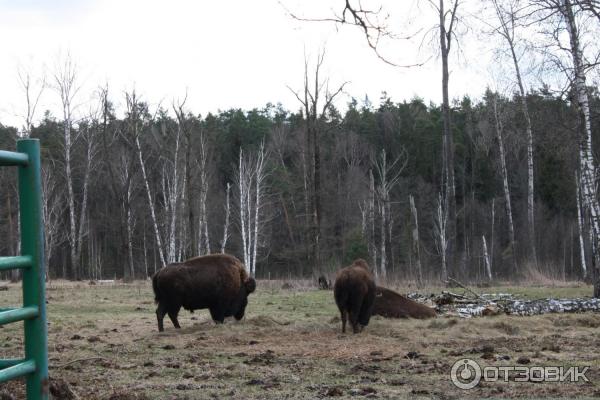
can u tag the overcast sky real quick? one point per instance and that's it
(226, 53)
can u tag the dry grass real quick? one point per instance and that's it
(103, 341)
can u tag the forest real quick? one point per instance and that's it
(476, 189)
(380, 177)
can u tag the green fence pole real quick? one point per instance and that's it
(32, 244)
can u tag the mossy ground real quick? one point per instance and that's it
(103, 341)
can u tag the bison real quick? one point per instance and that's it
(390, 304)
(218, 282)
(354, 292)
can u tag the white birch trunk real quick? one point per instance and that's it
(259, 177)
(588, 170)
(507, 31)
(580, 227)
(440, 222)
(415, 239)
(505, 186)
(130, 234)
(227, 214)
(150, 203)
(372, 245)
(84, 201)
(242, 187)
(486, 258)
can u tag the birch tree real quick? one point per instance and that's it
(580, 224)
(486, 258)
(388, 175)
(507, 18)
(567, 12)
(440, 234)
(505, 186)
(53, 206)
(67, 86)
(416, 247)
(251, 183)
(202, 162)
(134, 122)
(227, 216)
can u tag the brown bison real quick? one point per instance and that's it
(354, 292)
(390, 304)
(218, 282)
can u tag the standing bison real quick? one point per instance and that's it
(218, 282)
(354, 292)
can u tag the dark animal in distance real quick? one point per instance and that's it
(354, 293)
(218, 282)
(390, 304)
(324, 283)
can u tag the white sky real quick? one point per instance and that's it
(227, 53)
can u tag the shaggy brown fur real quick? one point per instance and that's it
(218, 282)
(354, 292)
(390, 304)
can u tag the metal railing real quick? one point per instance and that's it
(34, 367)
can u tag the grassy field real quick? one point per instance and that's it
(104, 343)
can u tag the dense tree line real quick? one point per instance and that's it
(375, 162)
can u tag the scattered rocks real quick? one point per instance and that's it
(523, 360)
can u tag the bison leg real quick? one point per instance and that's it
(217, 315)
(161, 310)
(173, 315)
(354, 312)
(344, 318)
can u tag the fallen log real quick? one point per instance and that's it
(390, 304)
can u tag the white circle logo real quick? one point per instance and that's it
(465, 374)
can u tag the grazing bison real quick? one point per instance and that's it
(354, 292)
(218, 282)
(390, 304)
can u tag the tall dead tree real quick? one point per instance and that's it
(416, 247)
(67, 85)
(134, 119)
(505, 186)
(447, 23)
(32, 89)
(315, 119)
(507, 17)
(188, 185)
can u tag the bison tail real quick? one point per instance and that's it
(155, 287)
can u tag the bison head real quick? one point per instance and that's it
(248, 287)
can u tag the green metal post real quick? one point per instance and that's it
(32, 244)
